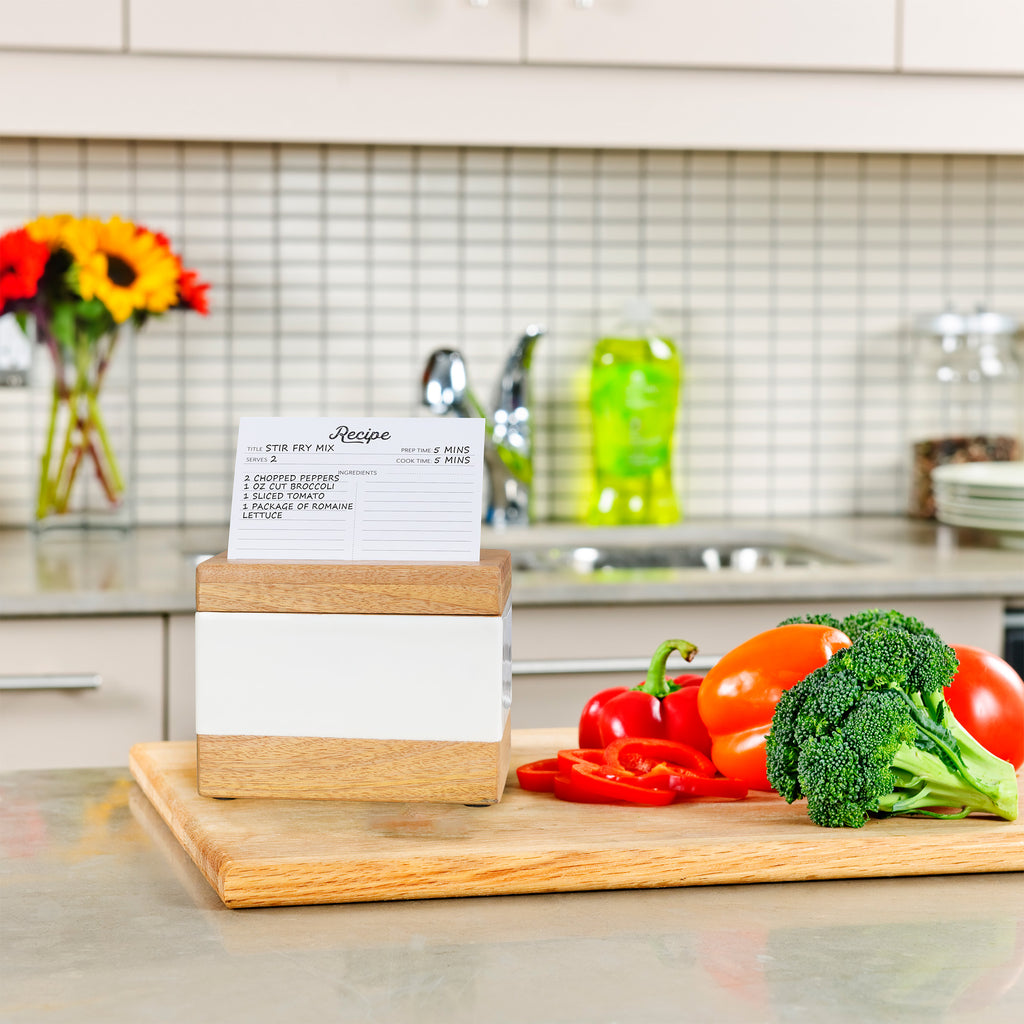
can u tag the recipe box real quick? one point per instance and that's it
(354, 680)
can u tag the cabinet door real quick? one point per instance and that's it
(181, 677)
(77, 693)
(970, 36)
(61, 24)
(827, 34)
(381, 29)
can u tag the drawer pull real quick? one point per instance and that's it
(72, 681)
(587, 666)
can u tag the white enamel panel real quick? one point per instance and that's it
(414, 677)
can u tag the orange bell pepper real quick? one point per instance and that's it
(737, 698)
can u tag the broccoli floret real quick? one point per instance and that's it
(814, 620)
(864, 622)
(859, 623)
(869, 733)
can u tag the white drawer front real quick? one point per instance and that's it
(77, 693)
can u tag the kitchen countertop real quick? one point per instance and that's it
(152, 569)
(106, 919)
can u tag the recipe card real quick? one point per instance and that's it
(340, 489)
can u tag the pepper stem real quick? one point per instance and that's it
(656, 684)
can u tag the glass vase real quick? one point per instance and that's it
(83, 460)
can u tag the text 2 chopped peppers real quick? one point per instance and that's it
(658, 708)
(737, 698)
(644, 771)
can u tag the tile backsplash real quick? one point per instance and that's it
(788, 280)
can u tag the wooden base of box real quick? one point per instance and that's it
(314, 768)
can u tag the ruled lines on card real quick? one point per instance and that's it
(422, 519)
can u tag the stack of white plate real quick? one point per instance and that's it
(983, 495)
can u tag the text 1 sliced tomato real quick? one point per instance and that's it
(599, 780)
(538, 776)
(641, 755)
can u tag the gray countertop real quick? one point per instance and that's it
(106, 919)
(152, 570)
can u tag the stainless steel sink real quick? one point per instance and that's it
(740, 554)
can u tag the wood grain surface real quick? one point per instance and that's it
(364, 588)
(326, 768)
(290, 852)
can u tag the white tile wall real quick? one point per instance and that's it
(789, 281)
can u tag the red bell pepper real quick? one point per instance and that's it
(658, 708)
(590, 729)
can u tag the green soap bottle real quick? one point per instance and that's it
(634, 394)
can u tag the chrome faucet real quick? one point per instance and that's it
(508, 446)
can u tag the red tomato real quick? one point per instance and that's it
(987, 698)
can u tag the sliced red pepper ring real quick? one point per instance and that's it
(643, 755)
(538, 776)
(599, 780)
(686, 783)
(658, 777)
(567, 788)
(567, 758)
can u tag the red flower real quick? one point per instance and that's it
(22, 262)
(192, 292)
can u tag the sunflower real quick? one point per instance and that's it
(49, 230)
(125, 267)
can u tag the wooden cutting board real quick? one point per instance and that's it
(258, 853)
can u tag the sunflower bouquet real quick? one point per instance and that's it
(81, 280)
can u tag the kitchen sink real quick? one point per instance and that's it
(613, 551)
(740, 554)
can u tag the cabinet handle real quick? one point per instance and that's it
(586, 666)
(72, 681)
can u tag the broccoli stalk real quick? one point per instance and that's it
(869, 733)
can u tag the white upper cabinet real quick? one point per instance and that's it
(448, 30)
(965, 36)
(61, 24)
(805, 34)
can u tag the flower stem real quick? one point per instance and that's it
(115, 486)
(84, 433)
(45, 498)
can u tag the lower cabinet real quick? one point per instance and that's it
(78, 692)
(561, 656)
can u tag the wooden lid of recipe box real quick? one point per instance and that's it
(361, 588)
